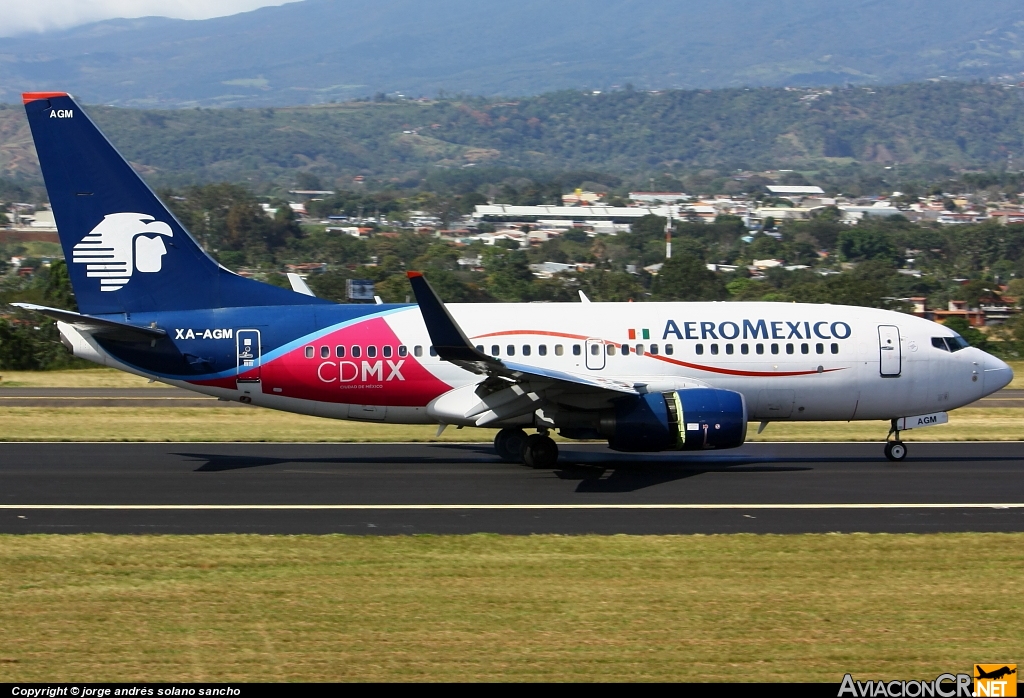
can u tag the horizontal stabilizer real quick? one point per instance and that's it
(100, 327)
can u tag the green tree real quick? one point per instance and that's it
(687, 278)
(861, 243)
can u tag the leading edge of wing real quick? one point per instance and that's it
(452, 345)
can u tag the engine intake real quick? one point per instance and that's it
(694, 419)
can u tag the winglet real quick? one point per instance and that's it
(448, 339)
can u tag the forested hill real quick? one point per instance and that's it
(318, 50)
(957, 124)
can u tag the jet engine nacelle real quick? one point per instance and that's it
(694, 419)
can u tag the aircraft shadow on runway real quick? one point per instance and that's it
(219, 462)
(629, 477)
(596, 470)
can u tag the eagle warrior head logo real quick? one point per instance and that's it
(120, 245)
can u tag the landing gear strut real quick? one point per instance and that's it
(509, 444)
(895, 450)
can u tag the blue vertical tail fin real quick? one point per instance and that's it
(126, 251)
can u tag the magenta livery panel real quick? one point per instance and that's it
(642, 376)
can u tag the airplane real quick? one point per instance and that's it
(644, 377)
(995, 674)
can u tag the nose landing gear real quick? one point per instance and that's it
(895, 450)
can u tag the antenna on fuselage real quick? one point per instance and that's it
(668, 235)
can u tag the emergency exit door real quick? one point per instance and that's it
(249, 355)
(595, 354)
(890, 362)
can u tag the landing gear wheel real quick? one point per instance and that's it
(895, 450)
(509, 444)
(540, 451)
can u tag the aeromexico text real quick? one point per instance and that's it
(756, 329)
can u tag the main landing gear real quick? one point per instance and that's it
(895, 450)
(535, 450)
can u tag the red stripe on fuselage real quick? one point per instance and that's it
(540, 332)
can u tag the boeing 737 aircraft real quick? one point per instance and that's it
(643, 376)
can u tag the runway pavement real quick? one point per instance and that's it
(464, 488)
(166, 396)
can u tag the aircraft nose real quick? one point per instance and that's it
(997, 374)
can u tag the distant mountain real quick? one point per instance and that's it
(624, 132)
(321, 50)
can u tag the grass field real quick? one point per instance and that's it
(85, 378)
(255, 424)
(697, 608)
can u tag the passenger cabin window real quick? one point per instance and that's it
(433, 351)
(759, 348)
(819, 348)
(669, 349)
(510, 350)
(325, 352)
(495, 350)
(542, 349)
(775, 348)
(744, 348)
(559, 350)
(480, 348)
(339, 351)
(639, 349)
(653, 349)
(789, 348)
(386, 351)
(526, 350)
(576, 350)
(625, 350)
(403, 351)
(371, 352)
(611, 350)
(835, 348)
(417, 350)
(728, 349)
(309, 352)
(714, 349)
(356, 351)
(699, 349)
(805, 349)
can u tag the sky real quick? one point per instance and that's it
(21, 17)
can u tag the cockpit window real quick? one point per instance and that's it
(951, 344)
(956, 343)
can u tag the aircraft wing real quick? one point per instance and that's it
(100, 327)
(453, 346)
